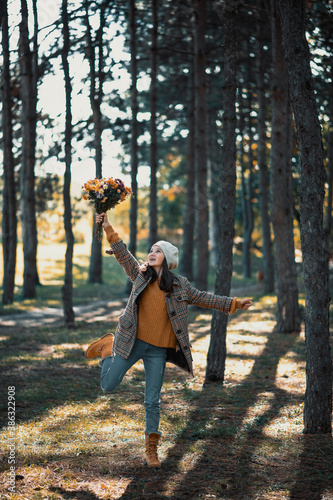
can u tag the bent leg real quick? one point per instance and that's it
(154, 362)
(114, 368)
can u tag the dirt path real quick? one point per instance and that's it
(53, 316)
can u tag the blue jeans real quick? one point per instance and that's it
(154, 358)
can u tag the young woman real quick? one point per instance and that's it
(153, 326)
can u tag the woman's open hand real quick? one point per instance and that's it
(246, 303)
(103, 218)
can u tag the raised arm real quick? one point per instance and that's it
(119, 249)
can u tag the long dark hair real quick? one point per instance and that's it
(166, 283)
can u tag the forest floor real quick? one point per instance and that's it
(240, 440)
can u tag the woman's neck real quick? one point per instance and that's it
(158, 271)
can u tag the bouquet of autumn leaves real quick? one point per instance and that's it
(104, 194)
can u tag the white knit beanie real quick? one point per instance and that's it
(170, 253)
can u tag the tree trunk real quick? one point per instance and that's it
(201, 273)
(153, 132)
(35, 48)
(214, 162)
(186, 256)
(288, 316)
(249, 208)
(247, 185)
(67, 289)
(134, 128)
(247, 211)
(9, 218)
(328, 225)
(318, 396)
(28, 93)
(217, 348)
(3, 11)
(267, 257)
(247, 271)
(243, 191)
(96, 95)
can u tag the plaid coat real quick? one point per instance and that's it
(177, 303)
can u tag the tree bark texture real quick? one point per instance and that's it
(67, 289)
(247, 220)
(318, 396)
(288, 314)
(214, 163)
(217, 348)
(28, 93)
(153, 132)
(243, 191)
(134, 129)
(246, 184)
(202, 235)
(9, 217)
(35, 46)
(186, 256)
(96, 95)
(3, 11)
(267, 257)
(328, 225)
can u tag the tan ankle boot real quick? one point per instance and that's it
(101, 347)
(152, 440)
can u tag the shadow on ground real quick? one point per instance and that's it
(224, 455)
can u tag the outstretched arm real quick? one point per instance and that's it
(211, 301)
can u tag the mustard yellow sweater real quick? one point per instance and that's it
(154, 324)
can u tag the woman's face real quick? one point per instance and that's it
(155, 257)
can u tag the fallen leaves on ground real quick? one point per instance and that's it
(238, 440)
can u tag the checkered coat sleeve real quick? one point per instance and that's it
(177, 302)
(129, 263)
(207, 300)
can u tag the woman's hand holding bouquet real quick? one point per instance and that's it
(104, 194)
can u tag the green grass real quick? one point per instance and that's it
(51, 268)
